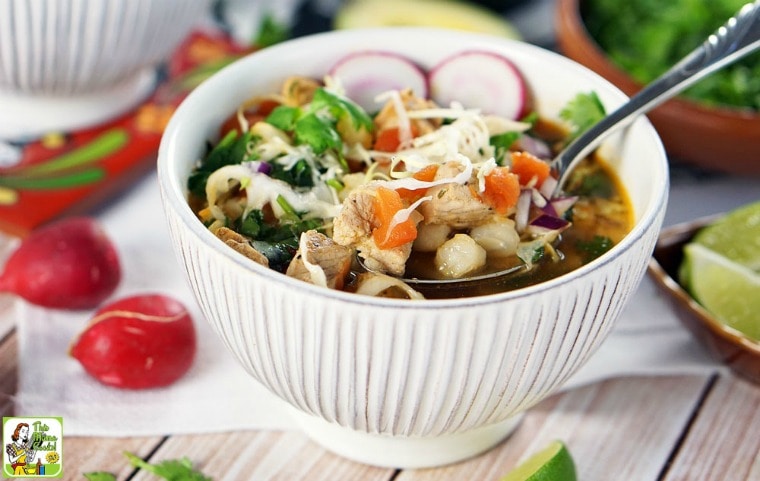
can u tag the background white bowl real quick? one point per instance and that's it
(401, 383)
(70, 63)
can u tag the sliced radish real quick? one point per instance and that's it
(481, 80)
(366, 74)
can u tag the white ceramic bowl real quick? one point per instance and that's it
(71, 63)
(402, 383)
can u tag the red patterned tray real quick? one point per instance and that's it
(65, 173)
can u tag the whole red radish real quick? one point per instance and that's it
(138, 342)
(68, 264)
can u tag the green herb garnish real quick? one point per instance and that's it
(646, 37)
(582, 112)
(595, 247)
(318, 132)
(170, 470)
(502, 143)
(255, 226)
(315, 125)
(298, 175)
(232, 149)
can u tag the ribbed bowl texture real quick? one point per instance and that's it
(407, 368)
(61, 47)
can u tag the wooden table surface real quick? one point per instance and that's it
(690, 427)
(704, 427)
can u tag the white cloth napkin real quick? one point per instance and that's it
(217, 395)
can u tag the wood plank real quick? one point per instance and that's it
(263, 456)
(724, 440)
(86, 454)
(8, 373)
(625, 426)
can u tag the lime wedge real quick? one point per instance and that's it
(553, 463)
(727, 289)
(736, 236)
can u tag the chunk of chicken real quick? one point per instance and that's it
(390, 261)
(454, 205)
(387, 117)
(354, 225)
(240, 244)
(333, 259)
(355, 221)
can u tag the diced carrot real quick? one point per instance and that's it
(502, 189)
(527, 167)
(426, 174)
(389, 139)
(205, 214)
(386, 236)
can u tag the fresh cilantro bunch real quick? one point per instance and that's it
(646, 37)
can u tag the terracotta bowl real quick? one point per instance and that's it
(718, 139)
(728, 345)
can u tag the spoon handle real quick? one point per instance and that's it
(739, 36)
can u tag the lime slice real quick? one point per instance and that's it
(727, 289)
(736, 236)
(553, 463)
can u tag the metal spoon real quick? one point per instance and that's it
(738, 37)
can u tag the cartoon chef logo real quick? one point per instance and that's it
(33, 447)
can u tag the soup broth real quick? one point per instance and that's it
(308, 183)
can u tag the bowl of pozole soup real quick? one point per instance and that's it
(323, 193)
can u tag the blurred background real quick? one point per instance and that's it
(532, 19)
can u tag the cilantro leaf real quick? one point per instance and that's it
(299, 174)
(232, 149)
(100, 476)
(278, 242)
(253, 225)
(595, 247)
(502, 143)
(340, 107)
(318, 132)
(582, 112)
(283, 117)
(171, 470)
(316, 126)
